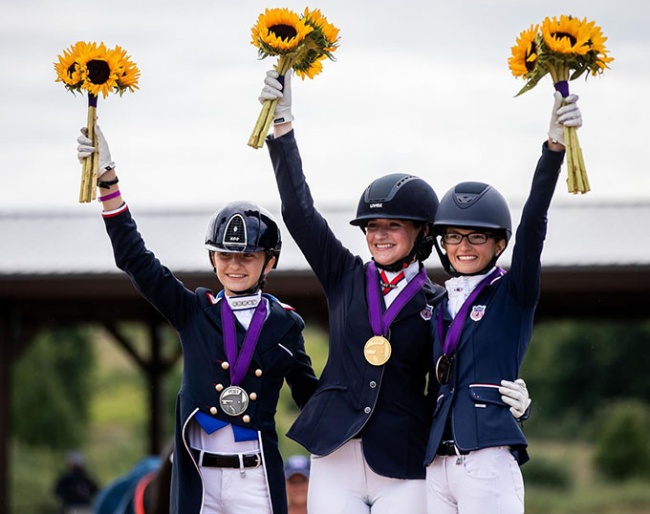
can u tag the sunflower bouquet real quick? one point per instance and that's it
(565, 48)
(300, 42)
(95, 69)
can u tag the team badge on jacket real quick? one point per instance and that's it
(427, 313)
(477, 312)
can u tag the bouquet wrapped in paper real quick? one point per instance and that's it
(299, 42)
(95, 69)
(564, 48)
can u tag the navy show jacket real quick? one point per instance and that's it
(196, 316)
(494, 340)
(388, 405)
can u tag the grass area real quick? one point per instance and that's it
(586, 492)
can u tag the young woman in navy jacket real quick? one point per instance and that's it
(239, 346)
(481, 331)
(366, 425)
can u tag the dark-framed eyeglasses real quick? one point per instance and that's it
(474, 238)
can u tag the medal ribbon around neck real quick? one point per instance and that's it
(240, 361)
(380, 322)
(451, 339)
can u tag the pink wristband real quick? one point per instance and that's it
(114, 194)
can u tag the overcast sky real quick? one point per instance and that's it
(418, 86)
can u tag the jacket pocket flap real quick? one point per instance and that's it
(486, 393)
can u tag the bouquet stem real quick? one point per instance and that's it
(577, 181)
(88, 190)
(265, 117)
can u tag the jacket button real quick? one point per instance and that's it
(219, 387)
(258, 372)
(253, 396)
(373, 384)
(213, 410)
(367, 410)
(225, 365)
(246, 419)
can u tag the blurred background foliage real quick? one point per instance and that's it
(588, 433)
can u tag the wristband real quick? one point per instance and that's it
(104, 198)
(106, 184)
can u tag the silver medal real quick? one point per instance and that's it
(233, 400)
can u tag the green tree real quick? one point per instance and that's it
(622, 448)
(51, 389)
(572, 368)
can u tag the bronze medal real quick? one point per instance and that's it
(377, 350)
(233, 400)
(443, 369)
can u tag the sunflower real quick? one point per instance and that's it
(128, 73)
(524, 54)
(309, 69)
(98, 69)
(566, 35)
(67, 68)
(324, 30)
(278, 32)
(597, 50)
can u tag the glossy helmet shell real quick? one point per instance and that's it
(397, 196)
(244, 227)
(474, 205)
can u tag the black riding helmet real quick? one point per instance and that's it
(403, 197)
(472, 205)
(244, 227)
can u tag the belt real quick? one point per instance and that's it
(448, 449)
(236, 460)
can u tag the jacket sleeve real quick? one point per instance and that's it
(151, 279)
(301, 379)
(326, 255)
(525, 270)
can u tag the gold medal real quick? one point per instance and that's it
(377, 350)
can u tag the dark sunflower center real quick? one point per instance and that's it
(283, 31)
(532, 50)
(560, 35)
(98, 71)
(71, 69)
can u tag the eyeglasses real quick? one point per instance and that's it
(474, 238)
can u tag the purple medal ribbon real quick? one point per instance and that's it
(378, 322)
(453, 335)
(239, 363)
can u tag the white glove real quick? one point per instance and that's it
(564, 115)
(273, 89)
(86, 148)
(516, 395)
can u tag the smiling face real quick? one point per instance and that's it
(390, 240)
(467, 258)
(239, 272)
